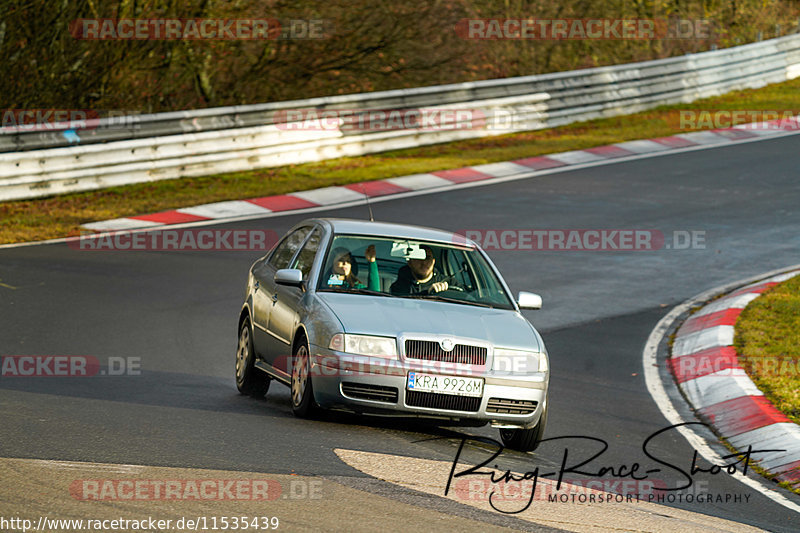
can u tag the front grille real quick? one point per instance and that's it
(364, 391)
(511, 407)
(443, 401)
(464, 354)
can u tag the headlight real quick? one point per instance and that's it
(364, 345)
(518, 361)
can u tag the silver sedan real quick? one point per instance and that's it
(392, 319)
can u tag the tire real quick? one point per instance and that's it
(302, 390)
(249, 380)
(524, 440)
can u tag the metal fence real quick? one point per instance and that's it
(171, 145)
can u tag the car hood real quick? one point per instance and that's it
(392, 317)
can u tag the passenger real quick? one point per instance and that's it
(344, 270)
(419, 276)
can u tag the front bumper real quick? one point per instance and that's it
(343, 381)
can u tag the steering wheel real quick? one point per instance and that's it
(454, 288)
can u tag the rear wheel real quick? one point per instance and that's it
(303, 404)
(249, 380)
(524, 440)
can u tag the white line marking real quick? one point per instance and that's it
(500, 170)
(702, 137)
(643, 146)
(719, 387)
(728, 302)
(659, 394)
(783, 277)
(574, 157)
(120, 224)
(766, 128)
(702, 340)
(329, 195)
(781, 436)
(105, 467)
(419, 182)
(233, 208)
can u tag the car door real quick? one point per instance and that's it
(264, 294)
(287, 304)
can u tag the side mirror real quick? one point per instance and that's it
(289, 276)
(529, 300)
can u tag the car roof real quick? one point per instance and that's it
(388, 229)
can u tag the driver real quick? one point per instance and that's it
(419, 276)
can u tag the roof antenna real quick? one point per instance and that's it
(366, 198)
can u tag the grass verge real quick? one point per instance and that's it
(768, 341)
(60, 216)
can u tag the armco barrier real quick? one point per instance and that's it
(209, 141)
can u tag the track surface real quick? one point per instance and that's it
(177, 312)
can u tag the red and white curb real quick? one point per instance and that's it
(706, 367)
(447, 179)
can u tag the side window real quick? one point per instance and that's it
(286, 249)
(306, 256)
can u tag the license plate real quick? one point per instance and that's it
(458, 386)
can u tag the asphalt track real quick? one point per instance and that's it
(177, 312)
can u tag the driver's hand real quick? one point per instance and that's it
(439, 286)
(370, 253)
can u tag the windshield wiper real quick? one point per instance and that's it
(446, 299)
(357, 291)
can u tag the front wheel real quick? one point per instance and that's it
(249, 380)
(524, 440)
(303, 404)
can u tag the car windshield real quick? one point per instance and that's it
(405, 268)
